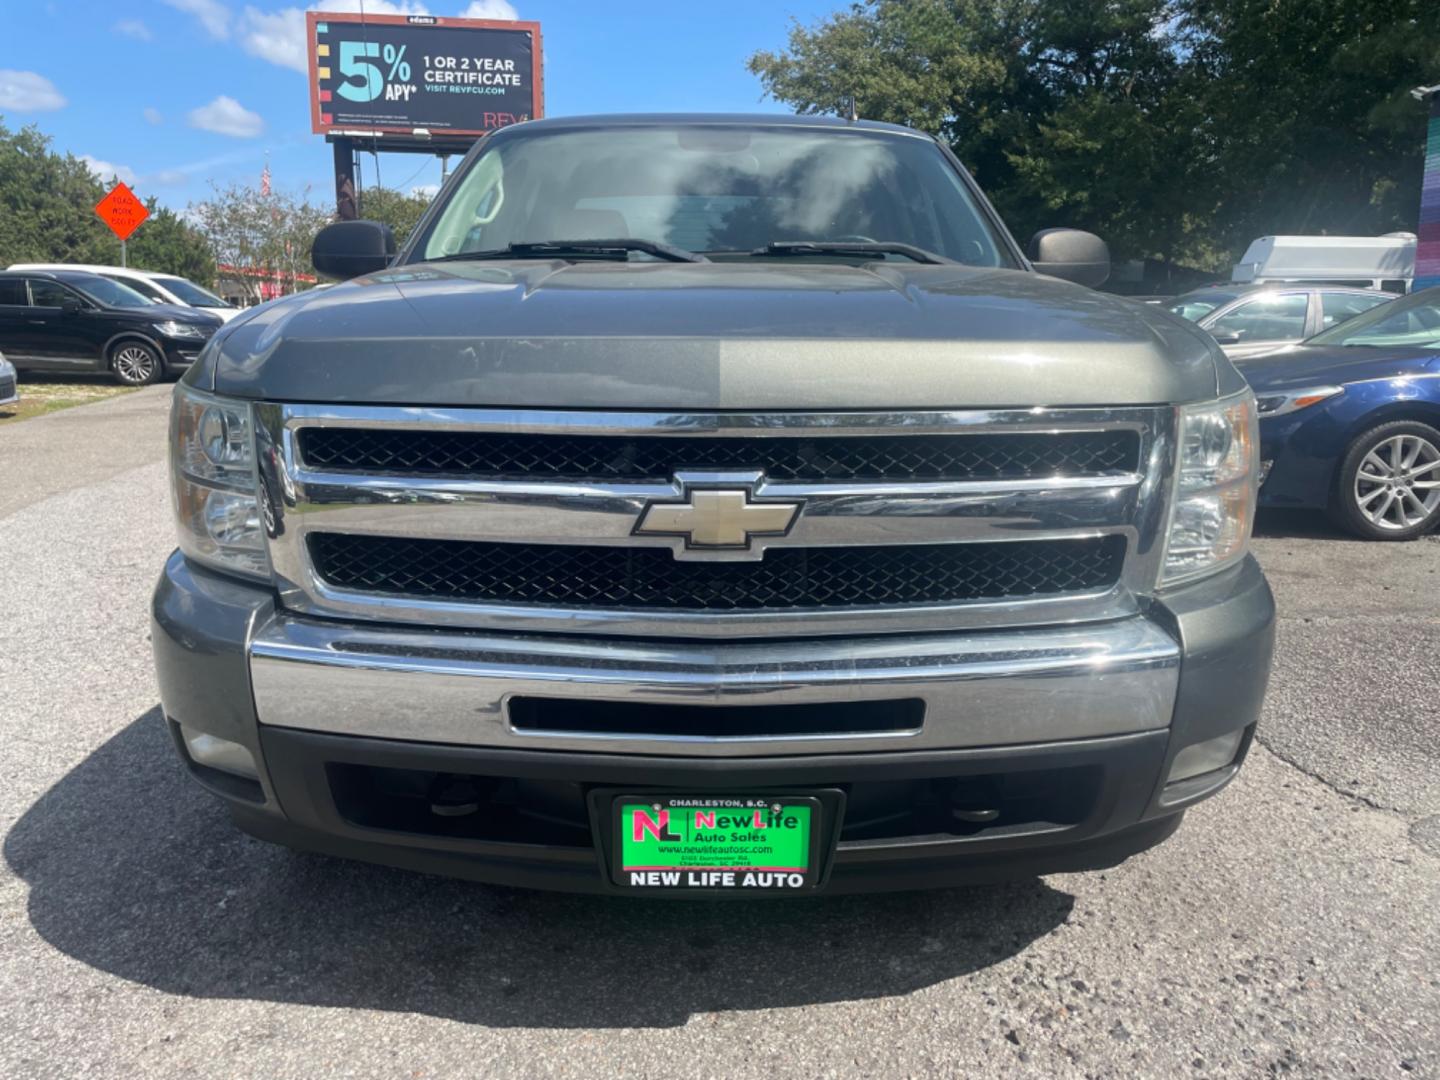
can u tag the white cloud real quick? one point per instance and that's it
(167, 177)
(213, 16)
(152, 115)
(107, 171)
(428, 191)
(134, 28)
(489, 9)
(25, 91)
(226, 116)
(279, 36)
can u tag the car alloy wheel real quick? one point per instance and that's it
(135, 364)
(1389, 483)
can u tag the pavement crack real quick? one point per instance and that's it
(1364, 800)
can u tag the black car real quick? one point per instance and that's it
(67, 320)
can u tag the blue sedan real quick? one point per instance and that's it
(1350, 420)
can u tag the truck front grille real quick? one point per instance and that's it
(528, 520)
(892, 457)
(652, 578)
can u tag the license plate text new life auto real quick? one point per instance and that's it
(709, 842)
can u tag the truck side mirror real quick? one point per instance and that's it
(1070, 254)
(348, 249)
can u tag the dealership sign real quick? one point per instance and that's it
(420, 76)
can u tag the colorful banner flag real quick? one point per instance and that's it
(1427, 252)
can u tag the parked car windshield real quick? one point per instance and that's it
(1196, 305)
(143, 287)
(191, 293)
(1413, 321)
(110, 293)
(714, 189)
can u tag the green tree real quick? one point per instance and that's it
(47, 203)
(1174, 128)
(1032, 95)
(47, 214)
(166, 243)
(401, 212)
(256, 238)
(1310, 127)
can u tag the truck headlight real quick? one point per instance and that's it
(1214, 502)
(213, 483)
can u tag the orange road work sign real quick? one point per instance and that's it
(122, 211)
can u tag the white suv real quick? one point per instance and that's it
(161, 288)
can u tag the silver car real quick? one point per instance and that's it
(1249, 319)
(9, 385)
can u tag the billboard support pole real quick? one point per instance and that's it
(345, 207)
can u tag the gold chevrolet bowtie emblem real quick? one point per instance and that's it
(717, 518)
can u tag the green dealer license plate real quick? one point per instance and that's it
(710, 842)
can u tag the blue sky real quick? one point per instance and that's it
(174, 94)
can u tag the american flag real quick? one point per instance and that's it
(265, 179)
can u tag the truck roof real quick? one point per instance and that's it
(604, 120)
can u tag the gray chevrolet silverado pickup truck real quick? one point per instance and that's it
(712, 504)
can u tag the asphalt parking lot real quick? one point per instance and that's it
(1291, 927)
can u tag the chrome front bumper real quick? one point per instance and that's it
(1110, 704)
(991, 688)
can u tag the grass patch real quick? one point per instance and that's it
(47, 392)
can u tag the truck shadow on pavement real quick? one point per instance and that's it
(134, 870)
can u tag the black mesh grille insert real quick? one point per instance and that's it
(658, 457)
(618, 577)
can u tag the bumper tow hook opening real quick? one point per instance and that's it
(454, 796)
(976, 816)
(973, 802)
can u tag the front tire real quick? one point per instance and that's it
(1388, 486)
(136, 363)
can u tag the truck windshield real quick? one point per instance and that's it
(715, 190)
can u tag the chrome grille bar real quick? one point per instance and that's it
(301, 499)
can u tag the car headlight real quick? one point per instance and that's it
(1214, 501)
(213, 483)
(1280, 404)
(171, 328)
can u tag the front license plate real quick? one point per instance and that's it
(707, 842)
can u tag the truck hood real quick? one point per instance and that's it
(754, 335)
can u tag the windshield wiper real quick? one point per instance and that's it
(617, 249)
(853, 248)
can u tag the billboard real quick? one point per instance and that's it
(421, 77)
